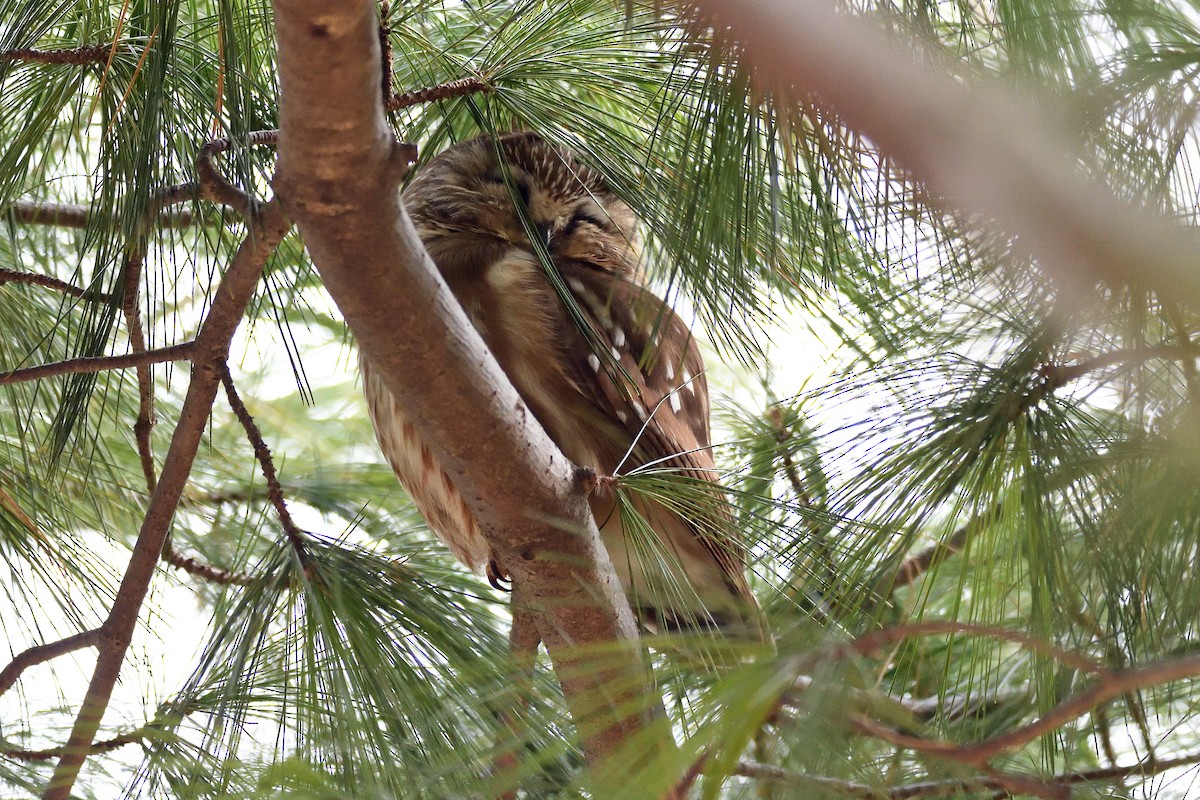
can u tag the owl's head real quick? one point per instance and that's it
(479, 189)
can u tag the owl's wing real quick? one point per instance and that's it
(651, 378)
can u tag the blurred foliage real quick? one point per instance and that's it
(1050, 451)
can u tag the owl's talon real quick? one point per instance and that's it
(497, 576)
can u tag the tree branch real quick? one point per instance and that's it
(870, 642)
(193, 566)
(1059, 375)
(338, 173)
(913, 567)
(49, 282)
(215, 186)
(42, 653)
(105, 746)
(71, 215)
(175, 352)
(979, 152)
(263, 454)
(953, 786)
(77, 56)
(443, 91)
(1109, 685)
(211, 348)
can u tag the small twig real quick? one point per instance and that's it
(767, 772)
(144, 424)
(263, 454)
(222, 577)
(74, 55)
(783, 436)
(175, 352)
(37, 212)
(97, 747)
(1058, 375)
(873, 641)
(953, 786)
(49, 282)
(1115, 659)
(822, 551)
(1109, 685)
(72, 215)
(443, 91)
(213, 185)
(914, 567)
(44, 652)
(688, 779)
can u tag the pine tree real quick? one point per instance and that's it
(972, 529)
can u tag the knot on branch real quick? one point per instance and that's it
(589, 480)
(215, 186)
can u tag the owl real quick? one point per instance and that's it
(543, 258)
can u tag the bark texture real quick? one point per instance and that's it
(338, 175)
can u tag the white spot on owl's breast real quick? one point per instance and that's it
(508, 273)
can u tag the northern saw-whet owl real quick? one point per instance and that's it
(629, 392)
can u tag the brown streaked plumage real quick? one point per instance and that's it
(630, 392)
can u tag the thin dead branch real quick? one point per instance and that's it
(49, 282)
(871, 642)
(104, 746)
(822, 552)
(42, 653)
(263, 453)
(77, 56)
(917, 565)
(207, 572)
(443, 91)
(71, 215)
(175, 352)
(211, 348)
(1059, 375)
(954, 786)
(1108, 685)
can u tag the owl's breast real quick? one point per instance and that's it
(523, 321)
